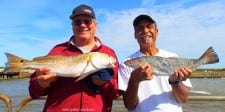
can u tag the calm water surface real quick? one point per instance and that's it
(18, 89)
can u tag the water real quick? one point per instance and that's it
(213, 86)
(18, 89)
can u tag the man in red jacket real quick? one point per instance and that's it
(88, 95)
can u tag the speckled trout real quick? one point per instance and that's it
(167, 66)
(65, 66)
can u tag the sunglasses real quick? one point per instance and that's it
(78, 22)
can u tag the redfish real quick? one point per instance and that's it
(167, 66)
(65, 66)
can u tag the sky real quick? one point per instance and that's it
(30, 28)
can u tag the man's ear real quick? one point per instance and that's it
(157, 32)
(135, 36)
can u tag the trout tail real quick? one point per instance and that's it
(209, 56)
(14, 63)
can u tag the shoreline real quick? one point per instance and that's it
(199, 73)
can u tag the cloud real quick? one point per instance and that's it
(187, 31)
(47, 24)
(30, 29)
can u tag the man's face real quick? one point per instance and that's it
(84, 26)
(146, 33)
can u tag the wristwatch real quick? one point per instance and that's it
(176, 83)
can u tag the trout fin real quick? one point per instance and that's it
(14, 63)
(209, 56)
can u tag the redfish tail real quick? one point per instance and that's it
(209, 56)
(14, 63)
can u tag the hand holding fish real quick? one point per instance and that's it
(180, 75)
(45, 77)
(98, 81)
(144, 72)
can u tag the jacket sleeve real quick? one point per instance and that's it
(35, 90)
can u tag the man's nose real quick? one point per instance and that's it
(145, 29)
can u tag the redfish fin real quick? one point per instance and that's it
(14, 63)
(80, 77)
(209, 56)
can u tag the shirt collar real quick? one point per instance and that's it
(97, 45)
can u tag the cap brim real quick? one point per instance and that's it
(142, 17)
(74, 15)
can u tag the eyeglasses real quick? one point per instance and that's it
(78, 22)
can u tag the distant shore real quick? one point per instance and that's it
(199, 73)
(209, 73)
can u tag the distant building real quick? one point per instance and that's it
(1, 69)
(15, 74)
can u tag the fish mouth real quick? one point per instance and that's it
(128, 63)
(113, 62)
(113, 65)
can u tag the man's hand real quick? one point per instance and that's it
(144, 72)
(45, 77)
(97, 81)
(180, 75)
(179, 90)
